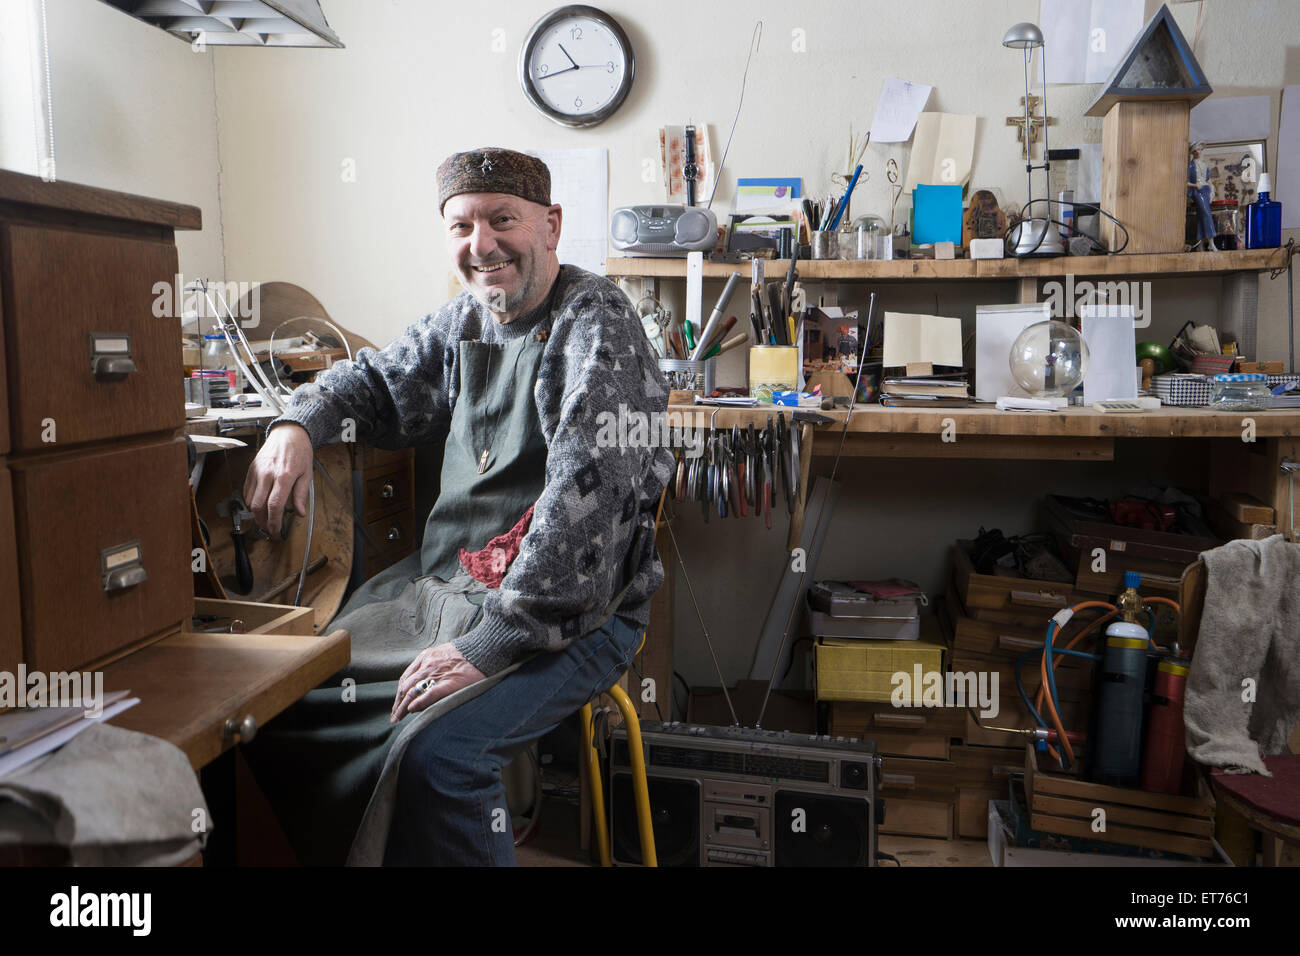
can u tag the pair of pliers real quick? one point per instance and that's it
(769, 470)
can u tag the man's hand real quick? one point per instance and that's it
(448, 670)
(281, 470)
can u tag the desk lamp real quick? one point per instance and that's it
(1033, 236)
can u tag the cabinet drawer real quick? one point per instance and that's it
(10, 642)
(190, 685)
(912, 816)
(67, 293)
(251, 617)
(97, 521)
(387, 493)
(394, 534)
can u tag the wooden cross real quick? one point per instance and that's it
(1035, 124)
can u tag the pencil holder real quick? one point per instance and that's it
(772, 368)
(685, 375)
(825, 244)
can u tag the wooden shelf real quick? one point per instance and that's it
(870, 270)
(1075, 422)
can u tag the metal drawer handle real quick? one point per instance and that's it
(122, 567)
(124, 578)
(245, 729)
(394, 533)
(105, 366)
(388, 491)
(110, 355)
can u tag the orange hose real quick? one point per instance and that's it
(1056, 661)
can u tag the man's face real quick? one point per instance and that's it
(500, 245)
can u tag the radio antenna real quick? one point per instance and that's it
(755, 40)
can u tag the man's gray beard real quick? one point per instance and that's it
(496, 300)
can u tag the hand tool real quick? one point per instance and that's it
(778, 317)
(718, 335)
(716, 315)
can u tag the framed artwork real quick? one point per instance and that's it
(1233, 170)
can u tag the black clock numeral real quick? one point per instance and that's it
(576, 33)
(577, 102)
(544, 69)
(610, 66)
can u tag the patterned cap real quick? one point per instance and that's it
(494, 170)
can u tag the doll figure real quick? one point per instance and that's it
(1200, 192)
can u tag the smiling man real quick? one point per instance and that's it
(538, 560)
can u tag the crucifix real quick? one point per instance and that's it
(1035, 125)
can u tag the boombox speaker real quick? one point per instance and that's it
(729, 796)
(663, 230)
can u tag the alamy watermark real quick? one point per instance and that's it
(242, 299)
(952, 689)
(84, 689)
(1068, 299)
(631, 428)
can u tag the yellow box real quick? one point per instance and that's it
(864, 670)
(772, 368)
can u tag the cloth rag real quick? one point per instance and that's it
(1243, 692)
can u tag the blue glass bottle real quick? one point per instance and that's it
(1264, 219)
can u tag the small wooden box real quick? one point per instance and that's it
(1144, 175)
(1158, 821)
(864, 669)
(1031, 601)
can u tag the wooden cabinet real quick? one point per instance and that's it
(97, 363)
(384, 496)
(105, 542)
(95, 544)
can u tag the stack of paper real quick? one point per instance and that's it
(926, 391)
(30, 732)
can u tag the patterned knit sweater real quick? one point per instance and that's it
(593, 526)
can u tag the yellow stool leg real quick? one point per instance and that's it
(640, 787)
(597, 789)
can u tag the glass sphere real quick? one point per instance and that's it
(1049, 359)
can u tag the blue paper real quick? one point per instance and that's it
(936, 213)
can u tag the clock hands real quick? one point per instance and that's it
(566, 53)
(567, 69)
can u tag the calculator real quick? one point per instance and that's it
(1143, 404)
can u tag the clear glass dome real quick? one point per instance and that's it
(1049, 359)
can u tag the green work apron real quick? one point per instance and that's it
(329, 763)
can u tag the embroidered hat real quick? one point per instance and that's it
(494, 170)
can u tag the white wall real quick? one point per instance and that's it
(134, 110)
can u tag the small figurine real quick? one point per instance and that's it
(1200, 192)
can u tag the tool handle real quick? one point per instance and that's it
(716, 316)
(243, 567)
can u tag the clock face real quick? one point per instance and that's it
(577, 66)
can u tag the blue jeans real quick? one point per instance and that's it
(449, 789)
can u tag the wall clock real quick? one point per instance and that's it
(576, 66)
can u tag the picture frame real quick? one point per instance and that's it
(1230, 169)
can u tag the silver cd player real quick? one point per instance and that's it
(663, 230)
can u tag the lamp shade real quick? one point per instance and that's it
(1023, 36)
(237, 22)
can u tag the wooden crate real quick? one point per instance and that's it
(861, 719)
(1064, 804)
(923, 815)
(1030, 601)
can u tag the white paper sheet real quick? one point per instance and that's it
(900, 104)
(672, 162)
(1089, 186)
(1112, 357)
(580, 184)
(1232, 119)
(942, 152)
(996, 328)
(1086, 38)
(922, 338)
(1286, 179)
(39, 748)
